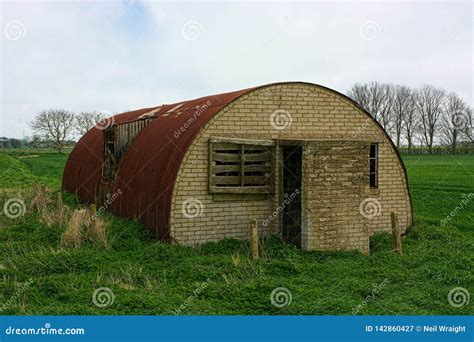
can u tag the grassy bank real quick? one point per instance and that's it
(147, 277)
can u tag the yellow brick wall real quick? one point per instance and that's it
(335, 182)
(316, 114)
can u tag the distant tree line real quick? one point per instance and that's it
(55, 128)
(30, 142)
(12, 142)
(419, 120)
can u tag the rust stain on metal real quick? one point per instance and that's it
(148, 166)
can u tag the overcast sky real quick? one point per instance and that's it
(115, 56)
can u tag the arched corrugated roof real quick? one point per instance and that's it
(149, 168)
(83, 170)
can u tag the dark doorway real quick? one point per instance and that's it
(291, 200)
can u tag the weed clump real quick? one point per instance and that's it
(40, 200)
(82, 226)
(73, 235)
(97, 232)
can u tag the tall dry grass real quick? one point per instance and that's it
(97, 232)
(73, 236)
(40, 198)
(82, 226)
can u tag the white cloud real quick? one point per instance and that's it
(117, 56)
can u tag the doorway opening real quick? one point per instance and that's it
(291, 199)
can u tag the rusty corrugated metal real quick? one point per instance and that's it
(150, 165)
(83, 170)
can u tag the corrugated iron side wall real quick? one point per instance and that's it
(150, 167)
(83, 171)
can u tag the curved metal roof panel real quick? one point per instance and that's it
(150, 166)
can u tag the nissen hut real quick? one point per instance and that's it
(305, 161)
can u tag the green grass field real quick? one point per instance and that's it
(149, 277)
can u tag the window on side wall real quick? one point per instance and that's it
(117, 138)
(109, 157)
(373, 160)
(240, 167)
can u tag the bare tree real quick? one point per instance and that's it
(410, 120)
(402, 118)
(385, 108)
(56, 125)
(468, 133)
(429, 104)
(455, 121)
(360, 94)
(86, 120)
(376, 98)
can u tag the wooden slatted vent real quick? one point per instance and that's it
(240, 168)
(117, 139)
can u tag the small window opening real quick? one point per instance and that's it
(373, 160)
